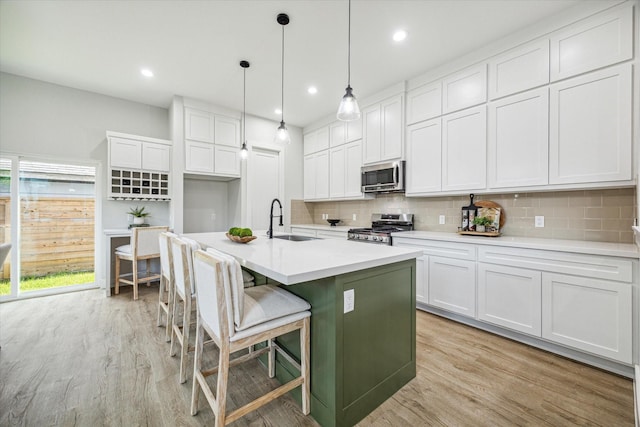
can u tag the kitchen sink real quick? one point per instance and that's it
(294, 238)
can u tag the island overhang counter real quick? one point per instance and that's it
(360, 356)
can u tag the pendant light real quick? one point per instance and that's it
(348, 109)
(282, 134)
(244, 152)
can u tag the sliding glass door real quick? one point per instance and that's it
(55, 223)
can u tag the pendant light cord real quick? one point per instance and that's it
(349, 50)
(244, 105)
(282, 82)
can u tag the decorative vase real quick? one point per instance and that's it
(480, 228)
(138, 220)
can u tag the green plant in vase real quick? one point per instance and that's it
(481, 223)
(139, 214)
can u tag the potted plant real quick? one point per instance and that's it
(138, 214)
(481, 222)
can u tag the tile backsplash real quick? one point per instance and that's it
(596, 215)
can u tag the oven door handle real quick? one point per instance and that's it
(396, 173)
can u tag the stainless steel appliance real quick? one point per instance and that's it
(382, 225)
(383, 178)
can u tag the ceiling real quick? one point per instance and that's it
(194, 47)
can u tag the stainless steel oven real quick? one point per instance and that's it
(383, 178)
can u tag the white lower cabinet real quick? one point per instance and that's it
(422, 279)
(300, 231)
(452, 285)
(593, 315)
(510, 297)
(319, 233)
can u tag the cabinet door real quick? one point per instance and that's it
(464, 148)
(227, 131)
(322, 174)
(510, 297)
(227, 161)
(422, 279)
(337, 171)
(518, 149)
(464, 89)
(125, 153)
(593, 315)
(598, 41)
(309, 177)
(353, 164)
(354, 130)
(331, 234)
(424, 161)
(156, 157)
(424, 103)
(452, 285)
(198, 125)
(392, 126)
(323, 138)
(372, 134)
(337, 134)
(590, 128)
(301, 231)
(199, 157)
(519, 69)
(310, 144)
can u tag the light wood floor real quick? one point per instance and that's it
(82, 359)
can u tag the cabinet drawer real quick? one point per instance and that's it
(331, 234)
(437, 248)
(595, 266)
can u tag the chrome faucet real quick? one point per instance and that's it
(270, 232)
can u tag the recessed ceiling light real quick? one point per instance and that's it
(312, 90)
(146, 72)
(277, 111)
(399, 35)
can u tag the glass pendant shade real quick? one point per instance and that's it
(282, 134)
(244, 152)
(348, 110)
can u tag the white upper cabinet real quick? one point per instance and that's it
(383, 130)
(424, 160)
(125, 153)
(198, 125)
(316, 176)
(337, 134)
(316, 140)
(519, 69)
(226, 160)
(337, 172)
(354, 130)
(464, 150)
(156, 157)
(424, 103)
(344, 171)
(199, 157)
(227, 131)
(518, 146)
(464, 89)
(595, 42)
(590, 128)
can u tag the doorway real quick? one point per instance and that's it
(48, 215)
(266, 183)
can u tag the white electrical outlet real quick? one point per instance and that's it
(441, 220)
(349, 300)
(354, 217)
(539, 221)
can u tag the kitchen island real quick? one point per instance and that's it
(363, 327)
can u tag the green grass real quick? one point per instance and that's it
(51, 281)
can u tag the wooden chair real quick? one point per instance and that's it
(144, 247)
(166, 291)
(238, 318)
(185, 292)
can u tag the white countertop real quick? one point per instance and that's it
(626, 250)
(295, 262)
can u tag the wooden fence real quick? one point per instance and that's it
(57, 235)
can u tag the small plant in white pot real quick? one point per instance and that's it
(481, 223)
(138, 214)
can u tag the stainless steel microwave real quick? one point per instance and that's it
(383, 178)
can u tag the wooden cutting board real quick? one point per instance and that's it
(490, 204)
